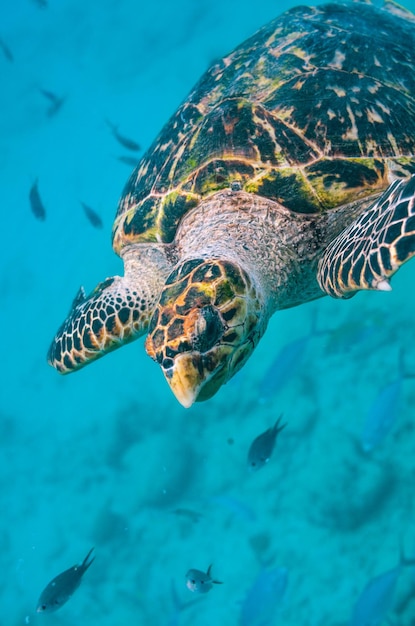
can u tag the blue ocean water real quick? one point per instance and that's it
(106, 457)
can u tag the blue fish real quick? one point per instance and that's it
(383, 412)
(286, 364)
(235, 506)
(264, 598)
(376, 599)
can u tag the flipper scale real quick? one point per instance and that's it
(369, 251)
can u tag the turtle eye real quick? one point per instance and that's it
(208, 329)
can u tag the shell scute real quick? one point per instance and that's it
(303, 112)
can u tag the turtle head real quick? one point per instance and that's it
(205, 327)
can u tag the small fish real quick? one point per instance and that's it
(262, 447)
(235, 506)
(376, 599)
(6, 51)
(122, 139)
(42, 4)
(36, 203)
(286, 363)
(56, 101)
(128, 160)
(383, 413)
(93, 217)
(63, 586)
(200, 582)
(350, 334)
(264, 598)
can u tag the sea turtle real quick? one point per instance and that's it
(287, 174)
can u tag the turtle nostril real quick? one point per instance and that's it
(209, 329)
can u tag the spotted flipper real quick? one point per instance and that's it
(369, 251)
(113, 314)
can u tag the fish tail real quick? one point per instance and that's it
(87, 563)
(278, 427)
(215, 582)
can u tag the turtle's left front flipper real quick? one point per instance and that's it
(369, 251)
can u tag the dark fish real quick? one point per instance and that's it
(122, 139)
(56, 101)
(200, 582)
(61, 588)
(263, 446)
(93, 217)
(6, 51)
(193, 516)
(128, 160)
(36, 203)
(41, 3)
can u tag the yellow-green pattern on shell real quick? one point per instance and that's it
(308, 112)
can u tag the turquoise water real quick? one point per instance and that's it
(106, 457)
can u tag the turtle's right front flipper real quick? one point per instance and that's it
(369, 251)
(113, 314)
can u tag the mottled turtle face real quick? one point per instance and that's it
(204, 328)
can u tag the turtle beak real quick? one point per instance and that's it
(190, 381)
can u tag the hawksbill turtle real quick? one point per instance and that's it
(288, 173)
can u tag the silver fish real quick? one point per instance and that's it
(200, 582)
(63, 586)
(263, 446)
